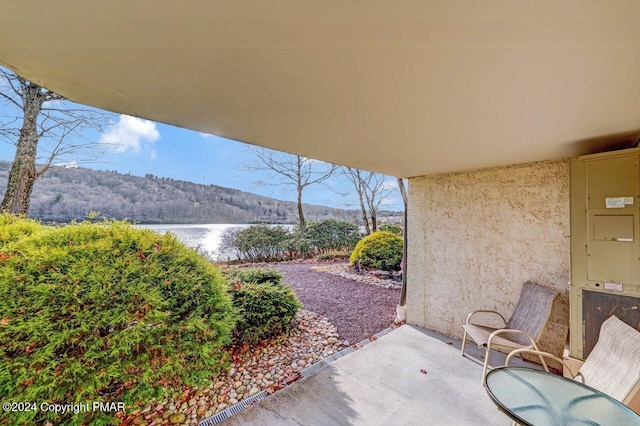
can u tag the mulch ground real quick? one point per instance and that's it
(356, 309)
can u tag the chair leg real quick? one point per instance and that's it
(486, 366)
(464, 342)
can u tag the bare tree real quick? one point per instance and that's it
(360, 184)
(376, 193)
(372, 190)
(36, 114)
(293, 170)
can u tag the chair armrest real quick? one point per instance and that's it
(541, 354)
(485, 311)
(571, 366)
(510, 331)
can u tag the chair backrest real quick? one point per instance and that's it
(613, 366)
(532, 311)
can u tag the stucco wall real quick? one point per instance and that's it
(475, 237)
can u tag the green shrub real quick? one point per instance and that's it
(393, 228)
(334, 256)
(252, 275)
(297, 247)
(331, 234)
(266, 307)
(106, 312)
(379, 250)
(13, 228)
(257, 243)
(265, 310)
(264, 243)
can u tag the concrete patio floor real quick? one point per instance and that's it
(409, 376)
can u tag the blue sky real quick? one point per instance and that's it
(137, 146)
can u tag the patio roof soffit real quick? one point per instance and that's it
(405, 88)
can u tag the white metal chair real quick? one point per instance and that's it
(523, 330)
(612, 367)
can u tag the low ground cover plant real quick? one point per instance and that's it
(104, 312)
(379, 250)
(265, 306)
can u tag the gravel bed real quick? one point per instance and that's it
(264, 366)
(346, 271)
(357, 309)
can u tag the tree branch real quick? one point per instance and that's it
(11, 79)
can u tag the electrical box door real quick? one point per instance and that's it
(605, 240)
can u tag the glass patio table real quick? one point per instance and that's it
(535, 397)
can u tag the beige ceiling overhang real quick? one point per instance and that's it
(405, 88)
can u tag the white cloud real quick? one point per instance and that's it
(153, 154)
(205, 135)
(53, 104)
(390, 185)
(311, 160)
(129, 134)
(390, 201)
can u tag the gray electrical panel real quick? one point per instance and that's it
(605, 244)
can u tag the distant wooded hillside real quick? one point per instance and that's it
(64, 194)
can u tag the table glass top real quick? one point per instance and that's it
(540, 398)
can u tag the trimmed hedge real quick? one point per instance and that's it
(379, 250)
(257, 243)
(330, 234)
(266, 243)
(266, 306)
(13, 228)
(104, 312)
(393, 228)
(252, 275)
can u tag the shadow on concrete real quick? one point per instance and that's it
(315, 400)
(407, 377)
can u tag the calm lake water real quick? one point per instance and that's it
(205, 238)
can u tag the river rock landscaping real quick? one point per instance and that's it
(255, 368)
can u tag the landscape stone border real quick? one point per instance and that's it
(345, 270)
